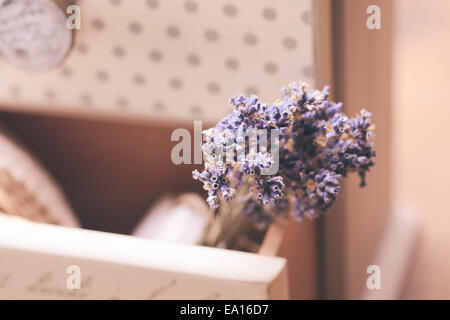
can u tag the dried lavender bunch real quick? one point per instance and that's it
(317, 145)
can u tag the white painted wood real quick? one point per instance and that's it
(35, 257)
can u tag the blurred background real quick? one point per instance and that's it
(101, 120)
(420, 145)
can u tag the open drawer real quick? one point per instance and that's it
(50, 262)
(111, 197)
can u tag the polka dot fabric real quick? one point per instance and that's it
(175, 60)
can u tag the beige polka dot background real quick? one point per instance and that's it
(170, 60)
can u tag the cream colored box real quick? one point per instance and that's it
(39, 261)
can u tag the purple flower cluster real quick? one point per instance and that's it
(216, 182)
(317, 145)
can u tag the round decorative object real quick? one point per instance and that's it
(27, 190)
(33, 33)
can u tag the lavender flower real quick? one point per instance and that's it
(215, 181)
(318, 145)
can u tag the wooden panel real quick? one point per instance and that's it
(362, 79)
(299, 247)
(169, 60)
